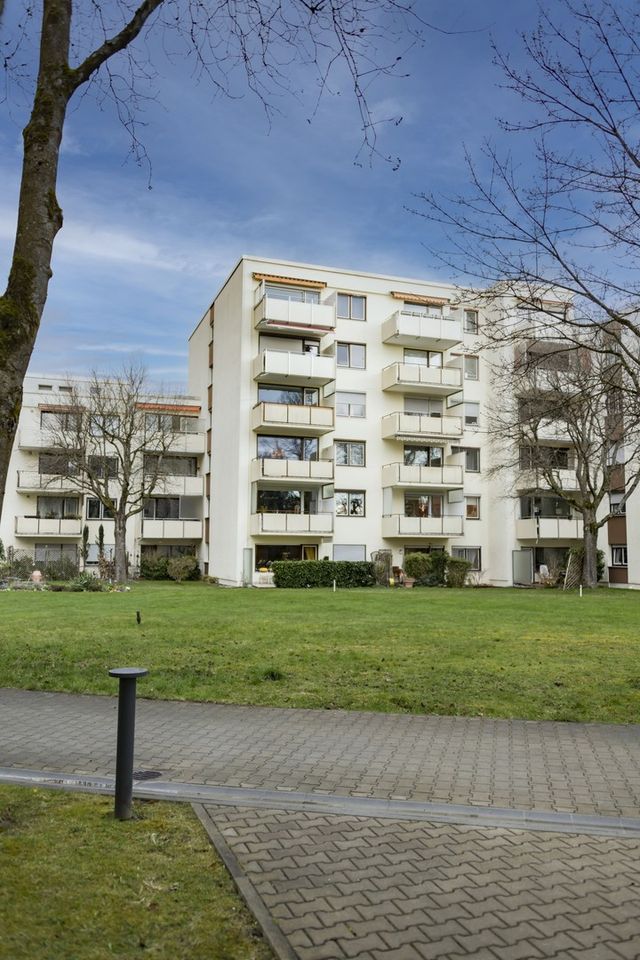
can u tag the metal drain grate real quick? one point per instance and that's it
(146, 774)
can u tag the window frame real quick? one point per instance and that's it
(350, 364)
(349, 494)
(476, 361)
(461, 553)
(350, 404)
(624, 555)
(470, 325)
(351, 297)
(467, 504)
(348, 444)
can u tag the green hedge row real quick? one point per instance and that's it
(322, 573)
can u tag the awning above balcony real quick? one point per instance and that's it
(290, 281)
(420, 298)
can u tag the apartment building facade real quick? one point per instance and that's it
(46, 510)
(346, 416)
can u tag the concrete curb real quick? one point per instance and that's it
(497, 817)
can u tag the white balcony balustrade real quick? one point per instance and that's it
(299, 472)
(292, 419)
(303, 369)
(416, 378)
(409, 426)
(411, 476)
(397, 525)
(417, 329)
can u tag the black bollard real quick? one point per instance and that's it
(126, 731)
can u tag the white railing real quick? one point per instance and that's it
(30, 480)
(172, 529)
(416, 326)
(319, 419)
(320, 524)
(411, 424)
(306, 367)
(439, 379)
(179, 486)
(48, 527)
(280, 312)
(266, 468)
(401, 474)
(397, 525)
(549, 528)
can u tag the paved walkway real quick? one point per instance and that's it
(327, 885)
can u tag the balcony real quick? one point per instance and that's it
(292, 419)
(397, 525)
(549, 528)
(533, 480)
(403, 476)
(172, 529)
(275, 313)
(192, 442)
(48, 527)
(294, 524)
(299, 472)
(414, 329)
(301, 369)
(32, 438)
(415, 378)
(173, 486)
(30, 480)
(410, 426)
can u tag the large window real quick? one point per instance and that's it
(296, 396)
(162, 508)
(298, 294)
(56, 464)
(287, 501)
(422, 309)
(58, 508)
(50, 552)
(556, 458)
(169, 466)
(103, 467)
(284, 344)
(170, 423)
(351, 404)
(350, 503)
(422, 358)
(423, 456)
(544, 506)
(287, 448)
(426, 505)
(472, 554)
(471, 458)
(422, 406)
(96, 510)
(60, 420)
(268, 552)
(351, 355)
(471, 368)
(470, 322)
(349, 551)
(619, 555)
(350, 453)
(351, 307)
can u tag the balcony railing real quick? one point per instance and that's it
(30, 480)
(415, 378)
(415, 329)
(533, 480)
(419, 426)
(172, 529)
(176, 486)
(32, 438)
(48, 527)
(301, 524)
(404, 475)
(290, 418)
(276, 313)
(297, 368)
(549, 528)
(185, 441)
(296, 471)
(397, 525)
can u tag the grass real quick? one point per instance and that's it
(499, 653)
(78, 885)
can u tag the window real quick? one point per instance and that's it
(471, 414)
(471, 458)
(100, 426)
(472, 508)
(63, 420)
(472, 554)
(422, 309)
(168, 550)
(96, 510)
(423, 358)
(45, 386)
(162, 508)
(287, 448)
(56, 464)
(557, 458)
(415, 406)
(423, 456)
(351, 307)
(170, 423)
(471, 368)
(103, 467)
(351, 355)
(287, 501)
(615, 505)
(168, 466)
(470, 324)
(619, 556)
(58, 508)
(266, 553)
(297, 294)
(350, 503)
(296, 396)
(65, 389)
(544, 506)
(547, 356)
(351, 404)
(349, 551)
(427, 505)
(350, 453)
(46, 552)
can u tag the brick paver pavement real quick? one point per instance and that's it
(583, 768)
(341, 887)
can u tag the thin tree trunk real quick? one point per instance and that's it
(120, 547)
(39, 219)
(590, 557)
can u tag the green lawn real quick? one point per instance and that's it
(501, 653)
(78, 885)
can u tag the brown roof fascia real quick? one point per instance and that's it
(293, 281)
(169, 407)
(420, 298)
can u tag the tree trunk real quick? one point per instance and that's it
(39, 219)
(590, 543)
(120, 547)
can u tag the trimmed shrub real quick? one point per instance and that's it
(154, 567)
(183, 568)
(86, 581)
(322, 573)
(435, 569)
(416, 565)
(457, 570)
(63, 568)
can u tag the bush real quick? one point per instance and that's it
(63, 568)
(457, 570)
(416, 565)
(322, 573)
(154, 567)
(86, 581)
(183, 568)
(577, 555)
(433, 568)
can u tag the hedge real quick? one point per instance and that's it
(322, 573)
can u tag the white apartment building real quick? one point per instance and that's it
(330, 414)
(346, 416)
(45, 511)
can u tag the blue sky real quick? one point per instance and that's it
(135, 268)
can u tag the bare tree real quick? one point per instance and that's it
(568, 431)
(265, 39)
(110, 441)
(564, 225)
